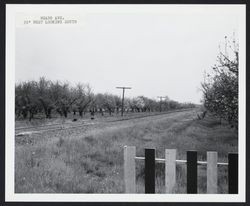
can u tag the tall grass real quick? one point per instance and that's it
(91, 161)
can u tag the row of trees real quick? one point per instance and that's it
(220, 88)
(48, 97)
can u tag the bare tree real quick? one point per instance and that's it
(84, 96)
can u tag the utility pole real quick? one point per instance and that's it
(123, 92)
(161, 97)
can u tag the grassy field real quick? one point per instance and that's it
(90, 159)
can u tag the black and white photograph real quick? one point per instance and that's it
(125, 100)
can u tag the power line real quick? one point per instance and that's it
(123, 92)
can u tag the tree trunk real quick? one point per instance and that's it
(49, 113)
(24, 113)
(31, 115)
(80, 113)
(65, 113)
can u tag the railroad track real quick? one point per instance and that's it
(63, 126)
(149, 115)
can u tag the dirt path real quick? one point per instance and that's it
(101, 127)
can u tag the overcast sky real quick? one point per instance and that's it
(157, 54)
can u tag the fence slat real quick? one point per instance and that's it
(170, 170)
(129, 169)
(191, 172)
(149, 170)
(212, 178)
(232, 173)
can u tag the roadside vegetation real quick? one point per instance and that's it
(90, 159)
(220, 87)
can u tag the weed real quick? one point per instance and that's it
(90, 160)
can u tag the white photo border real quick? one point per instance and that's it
(10, 195)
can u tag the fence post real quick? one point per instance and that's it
(212, 177)
(149, 170)
(191, 172)
(170, 170)
(129, 169)
(232, 173)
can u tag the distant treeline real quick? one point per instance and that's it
(51, 97)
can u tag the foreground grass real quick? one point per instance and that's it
(91, 160)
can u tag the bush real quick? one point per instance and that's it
(220, 90)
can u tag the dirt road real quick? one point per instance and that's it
(109, 123)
